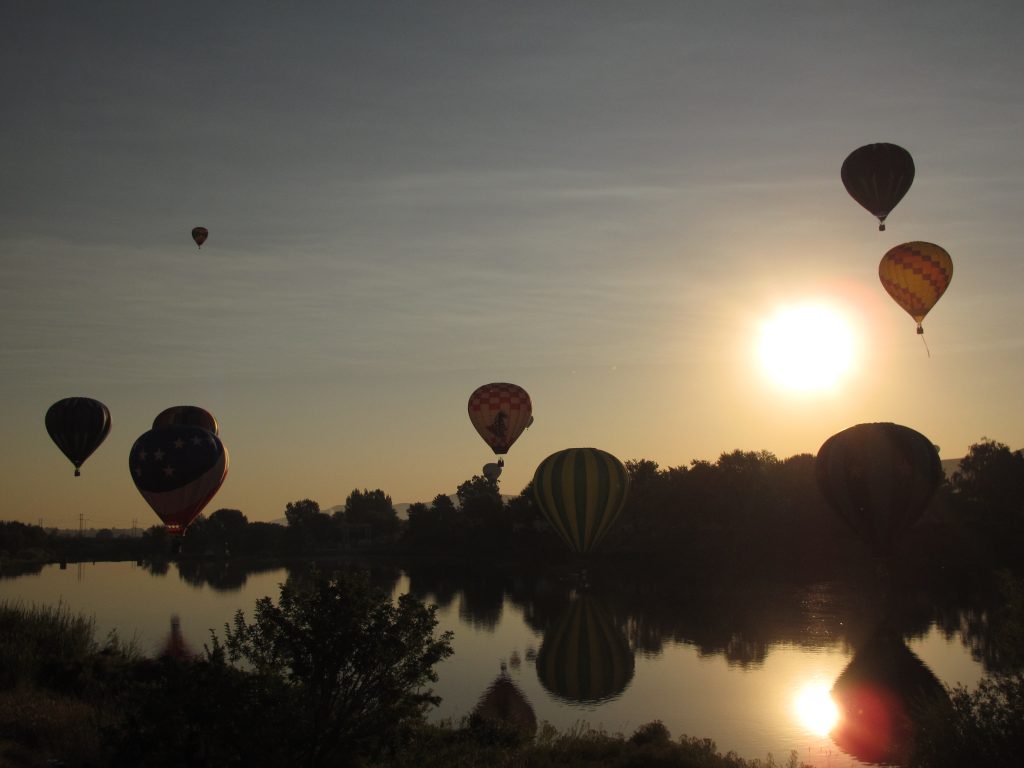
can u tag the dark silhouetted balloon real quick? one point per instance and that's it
(879, 478)
(492, 471)
(581, 492)
(187, 415)
(916, 275)
(500, 412)
(584, 658)
(78, 425)
(178, 469)
(878, 176)
(199, 234)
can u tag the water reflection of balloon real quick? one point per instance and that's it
(878, 176)
(879, 478)
(581, 492)
(199, 234)
(916, 275)
(178, 469)
(78, 425)
(584, 658)
(880, 696)
(500, 412)
(504, 704)
(187, 415)
(175, 646)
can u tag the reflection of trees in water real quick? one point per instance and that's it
(882, 694)
(740, 616)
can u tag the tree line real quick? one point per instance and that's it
(742, 500)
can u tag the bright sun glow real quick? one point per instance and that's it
(816, 710)
(806, 348)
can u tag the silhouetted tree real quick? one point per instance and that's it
(990, 479)
(355, 663)
(372, 508)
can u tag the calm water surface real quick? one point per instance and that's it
(730, 665)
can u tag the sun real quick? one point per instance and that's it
(806, 348)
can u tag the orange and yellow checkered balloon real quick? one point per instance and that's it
(916, 274)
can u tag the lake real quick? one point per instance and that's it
(745, 662)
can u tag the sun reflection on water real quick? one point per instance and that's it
(815, 709)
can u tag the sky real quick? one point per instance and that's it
(602, 202)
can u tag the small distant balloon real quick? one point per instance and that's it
(878, 176)
(178, 469)
(916, 275)
(187, 415)
(78, 425)
(199, 234)
(492, 471)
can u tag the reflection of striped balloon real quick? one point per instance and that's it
(584, 658)
(581, 492)
(879, 478)
(916, 274)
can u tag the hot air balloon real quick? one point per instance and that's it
(78, 425)
(878, 176)
(492, 470)
(916, 275)
(584, 658)
(879, 478)
(199, 234)
(581, 492)
(500, 412)
(178, 469)
(187, 415)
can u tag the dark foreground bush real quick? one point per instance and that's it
(982, 729)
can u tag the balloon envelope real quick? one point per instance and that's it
(500, 412)
(878, 176)
(187, 415)
(879, 478)
(916, 274)
(584, 658)
(178, 469)
(199, 234)
(492, 471)
(581, 492)
(78, 425)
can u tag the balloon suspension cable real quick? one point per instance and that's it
(920, 332)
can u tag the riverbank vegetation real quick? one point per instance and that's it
(331, 674)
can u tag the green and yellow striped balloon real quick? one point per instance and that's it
(584, 658)
(581, 492)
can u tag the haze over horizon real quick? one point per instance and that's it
(600, 202)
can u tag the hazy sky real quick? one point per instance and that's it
(599, 201)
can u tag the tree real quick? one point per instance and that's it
(226, 528)
(991, 477)
(354, 662)
(372, 508)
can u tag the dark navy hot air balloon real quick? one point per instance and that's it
(178, 469)
(199, 234)
(878, 176)
(78, 425)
